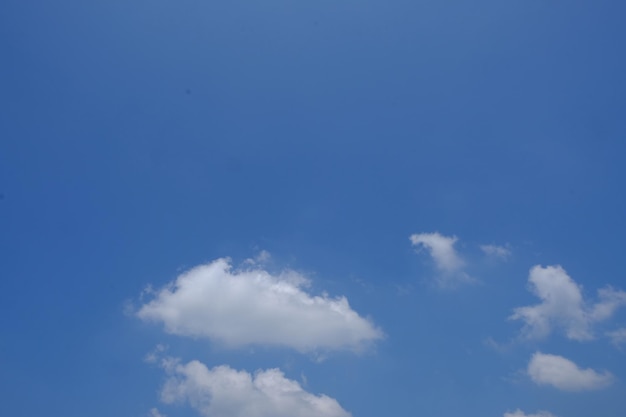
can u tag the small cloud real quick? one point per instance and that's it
(156, 413)
(147, 291)
(224, 391)
(403, 289)
(618, 337)
(441, 248)
(497, 346)
(128, 308)
(261, 258)
(155, 354)
(563, 306)
(520, 413)
(447, 260)
(495, 251)
(565, 375)
(367, 286)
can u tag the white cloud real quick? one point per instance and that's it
(563, 306)
(226, 392)
(564, 374)
(520, 413)
(441, 248)
(152, 357)
(610, 301)
(254, 307)
(261, 258)
(154, 412)
(447, 260)
(496, 251)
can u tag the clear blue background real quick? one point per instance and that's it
(140, 138)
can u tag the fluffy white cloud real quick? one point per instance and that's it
(520, 413)
(447, 260)
(563, 306)
(564, 374)
(254, 307)
(496, 251)
(226, 392)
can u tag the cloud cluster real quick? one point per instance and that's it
(520, 413)
(450, 265)
(242, 307)
(254, 307)
(563, 306)
(223, 391)
(565, 375)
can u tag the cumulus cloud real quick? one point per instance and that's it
(565, 375)
(226, 392)
(563, 306)
(520, 413)
(448, 262)
(495, 251)
(255, 307)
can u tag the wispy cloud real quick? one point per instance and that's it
(441, 248)
(618, 337)
(520, 413)
(154, 412)
(563, 306)
(447, 260)
(226, 392)
(255, 307)
(495, 251)
(565, 375)
(260, 258)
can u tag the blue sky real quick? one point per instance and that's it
(329, 208)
